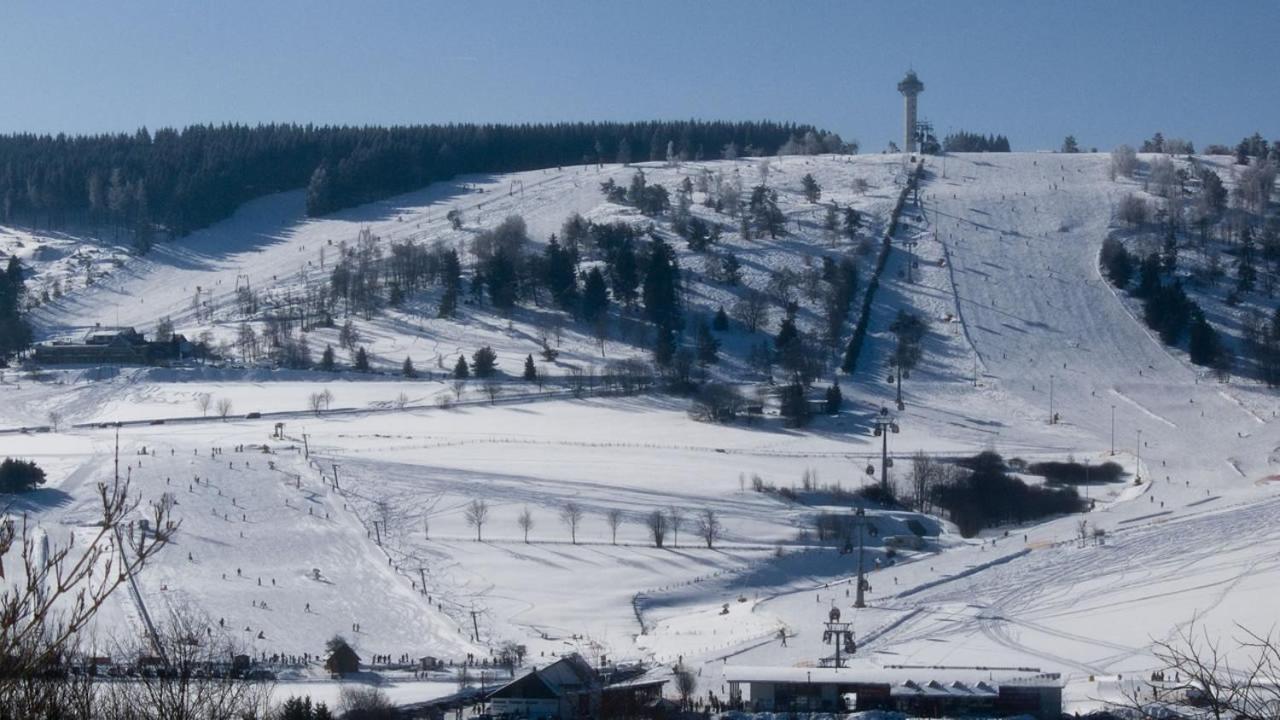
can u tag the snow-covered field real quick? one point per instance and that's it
(1007, 273)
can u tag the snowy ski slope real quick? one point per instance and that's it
(1006, 246)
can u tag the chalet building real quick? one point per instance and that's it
(914, 690)
(570, 688)
(112, 346)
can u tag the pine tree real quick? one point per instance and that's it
(835, 398)
(451, 278)
(664, 347)
(708, 347)
(812, 191)
(361, 362)
(595, 297)
(852, 221)
(460, 370)
(561, 277)
(326, 359)
(408, 370)
(624, 274)
(721, 321)
(484, 362)
(530, 370)
(661, 280)
(1148, 277)
(1204, 345)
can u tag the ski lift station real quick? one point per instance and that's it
(916, 690)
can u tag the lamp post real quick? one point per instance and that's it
(1050, 398)
(884, 426)
(1113, 429)
(1138, 468)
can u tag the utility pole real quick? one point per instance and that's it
(306, 448)
(885, 425)
(475, 625)
(335, 477)
(422, 574)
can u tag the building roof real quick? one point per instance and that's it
(530, 686)
(922, 679)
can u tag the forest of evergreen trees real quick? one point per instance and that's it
(964, 141)
(175, 181)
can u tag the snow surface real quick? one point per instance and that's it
(1017, 305)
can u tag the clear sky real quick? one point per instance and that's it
(1107, 72)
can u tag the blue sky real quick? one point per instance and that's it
(1108, 72)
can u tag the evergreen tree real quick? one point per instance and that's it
(595, 297)
(661, 281)
(460, 370)
(451, 278)
(361, 362)
(794, 405)
(1117, 262)
(484, 362)
(530, 370)
(834, 399)
(1204, 345)
(501, 279)
(15, 332)
(852, 222)
(561, 276)
(721, 321)
(408, 370)
(708, 347)
(764, 211)
(664, 347)
(1148, 277)
(326, 359)
(624, 274)
(812, 191)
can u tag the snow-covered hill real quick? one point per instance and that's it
(1005, 267)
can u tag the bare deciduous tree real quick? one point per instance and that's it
(525, 521)
(55, 419)
(924, 477)
(1237, 682)
(656, 521)
(686, 685)
(752, 311)
(57, 590)
(224, 407)
(675, 518)
(571, 516)
(493, 389)
(477, 513)
(189, 642)
(708, 527)
(614, 518)
(203, 401)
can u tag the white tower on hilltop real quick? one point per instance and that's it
(910, 87)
